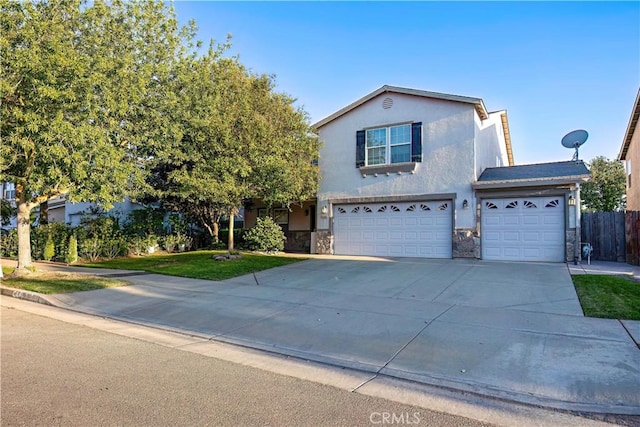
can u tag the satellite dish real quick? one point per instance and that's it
(575, 139)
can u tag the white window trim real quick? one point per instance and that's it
(388, 144)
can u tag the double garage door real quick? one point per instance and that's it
(524, 229)
(407, 229)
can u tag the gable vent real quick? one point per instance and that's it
(387, 103)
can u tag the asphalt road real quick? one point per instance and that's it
(56, 373)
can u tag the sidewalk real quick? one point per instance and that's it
(321, 310)
(606, 267)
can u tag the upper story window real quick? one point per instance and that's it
(389, 144)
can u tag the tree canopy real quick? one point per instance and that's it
(240, 139)
(95, 95)
(606, 190)
(78, 85)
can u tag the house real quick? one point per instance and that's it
(412, 173)
(630, 155)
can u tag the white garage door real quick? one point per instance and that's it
(408, 229)
(523, 229)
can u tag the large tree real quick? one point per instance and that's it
(240, 139)
(79, 86)
(606, 190)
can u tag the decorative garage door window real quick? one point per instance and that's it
(362, 209)
(398, 229)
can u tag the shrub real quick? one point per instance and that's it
(142, 245)
(91, 248)
(143, 222)
(72, 251)
(9, 243)
(55, 231)
(266, 236)
(113, 246)
(49, 250)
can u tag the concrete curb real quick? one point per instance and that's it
(26, 295)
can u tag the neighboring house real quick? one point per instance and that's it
(630, 156)
(8, 194)
(411, 173)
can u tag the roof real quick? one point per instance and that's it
(572, 171)
(631, 128)
(476, 102)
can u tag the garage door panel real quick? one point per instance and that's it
(525, 229)
(395, 229)
(511, 220)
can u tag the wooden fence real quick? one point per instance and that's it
(632, 231)
(605, 231)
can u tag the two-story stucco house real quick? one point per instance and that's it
(411, 173)
(630, 156)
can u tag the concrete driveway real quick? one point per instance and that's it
(508, 330)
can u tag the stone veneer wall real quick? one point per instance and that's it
(466, 243)
(570, 239)
(323, 242)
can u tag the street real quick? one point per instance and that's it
(57, 373)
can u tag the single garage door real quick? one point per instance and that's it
(407, 229)
(523, 229)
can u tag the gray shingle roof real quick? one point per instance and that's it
(536, 171)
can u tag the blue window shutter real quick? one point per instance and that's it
(360, 138)
(416, 142)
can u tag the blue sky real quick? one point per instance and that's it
(554, 66)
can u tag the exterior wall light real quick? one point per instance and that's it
(571, 201)
(324, 211)
(465, 204)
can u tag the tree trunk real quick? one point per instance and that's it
(230, 242)
(44, 213)
(24, 236)
(216, 232)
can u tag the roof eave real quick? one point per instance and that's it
(530, 182)
(477, 102)
(631, 128)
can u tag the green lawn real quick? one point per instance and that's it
(608, 297)
(197, 265)
(60, 283)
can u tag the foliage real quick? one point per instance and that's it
(239, 140)
(608, 297)
(49, 250)
(72, 250)
(143, 222)
(79, 89)
(197, 264)
(91, 248)
(606, 190)
(142, 245)
(265, 236)
(60, 283)
(7, 211)
(57, 232)
(177, 242)
(9, 243)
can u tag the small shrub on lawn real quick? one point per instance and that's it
(266, 236)
(90, 248)
(72, 251)
(49, 250)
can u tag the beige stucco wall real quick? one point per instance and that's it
(633, 154)
(299, 216)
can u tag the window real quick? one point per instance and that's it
(388, 145)
(628, 164)
(281, 216)
(9, 194)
